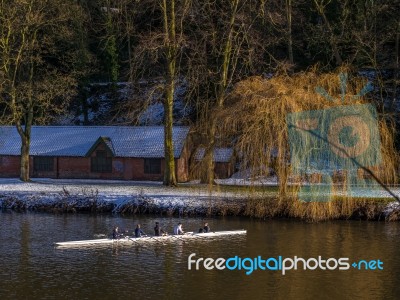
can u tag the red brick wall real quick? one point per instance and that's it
(73, 167)
(135, 168)
(79, 167)
(9, 166)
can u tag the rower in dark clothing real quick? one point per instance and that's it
(115, 233)
(206, 228)
(138, 231)
(158, 231)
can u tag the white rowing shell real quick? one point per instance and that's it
(133, 240)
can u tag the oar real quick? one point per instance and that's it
(140, 245)
(99, 235)
(198, 236)
(155, 239)
(133, 240)
(120, 236)
(176, 237)
(183, 240)
(144, 235)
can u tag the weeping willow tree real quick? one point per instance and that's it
(256, 117)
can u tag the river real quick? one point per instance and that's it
(32, 268)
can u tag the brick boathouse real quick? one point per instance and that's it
(224, 161)
(94, 152)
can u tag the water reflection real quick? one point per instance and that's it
(148, 271)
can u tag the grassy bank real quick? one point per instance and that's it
(69, 196)
(265, 208)
(338, 208)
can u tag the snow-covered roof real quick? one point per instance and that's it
(126, 141)
(106, 141)
(220, 154)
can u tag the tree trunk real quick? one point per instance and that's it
(208, 160)
(169, 172)
(333, 41)
(396, 67)
(25, 134)
(170, 44)
(289, 30)
(207, 172)
(25, 146)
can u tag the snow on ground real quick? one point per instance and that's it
(112, 189)
(72, 192)
(265, 181)
(102, 193)
(107, 187)
(391, 207)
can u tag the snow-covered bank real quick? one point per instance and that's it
(108, 188)
(188, 199)
(116, 196)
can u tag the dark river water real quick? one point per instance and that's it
(32, 268)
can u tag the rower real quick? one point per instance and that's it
(115, 233)
(206, 228)
(158, 230)
(138, 231)
(178, 229)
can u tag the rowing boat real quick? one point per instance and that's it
(150, 239)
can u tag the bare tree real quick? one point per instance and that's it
(170, 44)
(31, 81)
(227, 53)
(157, 56)
(321, 6)
(289, 30)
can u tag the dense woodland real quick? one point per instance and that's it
(52, 51)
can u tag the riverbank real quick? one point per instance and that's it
(129, 197)
(126, 197)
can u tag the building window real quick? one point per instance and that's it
(101, 163)
(43, 164)
(152, 166)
